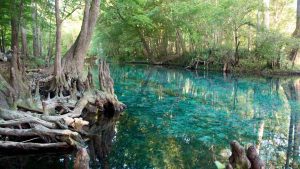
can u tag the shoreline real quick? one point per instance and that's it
(266, 72)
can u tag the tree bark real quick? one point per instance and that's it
(105, 81)
(14, 32)
(17, 70)
(82, 159)
(57, 65)
(24, 48)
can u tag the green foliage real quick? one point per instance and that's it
(34, 62)
(198, 29)
(169, 31)
(271, 46)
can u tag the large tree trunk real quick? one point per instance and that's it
(73, 61)
(17, 70)
(58, 83)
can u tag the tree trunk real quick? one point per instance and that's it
(295, 52)
(147, 51)
(17, 83)
(24, 48)
(50, 46)
(1, 44)
(40, 41)
(57, 65)
(236, 44)
(3, 40)
(267, 14)
(35, 40)
(50, 51)
(258, 21)
(297, 30)
(14, 34)
(180, 41)
(73, 61)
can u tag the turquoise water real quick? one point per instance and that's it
(181, 119)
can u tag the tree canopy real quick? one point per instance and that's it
(182, 31)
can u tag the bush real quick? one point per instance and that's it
(272, 48)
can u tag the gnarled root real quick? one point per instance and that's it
(239, 159)
(60, 115)
(65, 126)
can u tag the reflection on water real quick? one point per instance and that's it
(181, 119)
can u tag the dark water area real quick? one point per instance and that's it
(182, 119)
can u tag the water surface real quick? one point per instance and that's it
(182, 119)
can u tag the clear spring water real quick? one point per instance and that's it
(181, 119)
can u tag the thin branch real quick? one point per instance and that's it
(70, 13)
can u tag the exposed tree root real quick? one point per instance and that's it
(65, 127)
(240, 159)
(31, 146)
(62, 120)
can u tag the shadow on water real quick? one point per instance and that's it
(182, 119)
